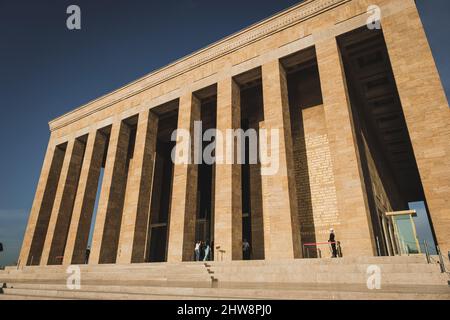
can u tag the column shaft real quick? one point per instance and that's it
(63, 205)
(42, 206)
(109, 213)
(184, 195)
(228, 200)
(133, 235)
(77, 239)
(426, 111)
(281, 227)
(354, 230)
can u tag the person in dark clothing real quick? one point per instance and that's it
(202, 250)
(86, 258)
(332, 241)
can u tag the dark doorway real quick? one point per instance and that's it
(252, 115)
(157, 232)
(204, 227)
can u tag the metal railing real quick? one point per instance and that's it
(441, 260)
(315, 245)
(427, 252)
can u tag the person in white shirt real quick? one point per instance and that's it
(246, 249)
(197, 251)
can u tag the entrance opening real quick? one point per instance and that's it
(387, 161)
(40, 232)
(157, 232)
(252, 118)
(204, 227)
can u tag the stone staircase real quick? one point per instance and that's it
(407, 277)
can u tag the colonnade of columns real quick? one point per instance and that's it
(121, 226)
(59, 223)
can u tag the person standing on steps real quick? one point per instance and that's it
(332, 242)
(197, 251)
(207, 251)
(202, 250)
(246, 249)
(88, 252)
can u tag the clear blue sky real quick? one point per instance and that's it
(47, 70)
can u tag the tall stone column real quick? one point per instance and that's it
(228, 199)
(109, 212)
(426, 111)
(281, 226)
(62, 209)
(134, 230)
(42, 206)
(78, 236)
(354, 231)
(183, 210)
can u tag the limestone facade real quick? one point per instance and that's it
(300, 69)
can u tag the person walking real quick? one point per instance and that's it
(197, 251)
(246, 249)
(207, 251)
(332, 242)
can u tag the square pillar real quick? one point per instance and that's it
(109, 212)
(136, 214)
(36, 230)
(77, 240)
(280, 214)
(426, 111)
(354, 230)
(183, 207)
(63, 205)
(228, 199)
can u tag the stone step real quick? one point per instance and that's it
(96, 282)
(199, 268)
(413, 259)
(96, 295)
(213, 270)
(138, 273)
(406, 268)
(423, 274)
(419, 258)
(26, 297)
(297, 277)
(347, 277)
(110, 276)
(239, 291)
(234, 266)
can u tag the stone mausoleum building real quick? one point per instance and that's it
(364, 130)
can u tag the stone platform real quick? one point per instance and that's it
(401, 278)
